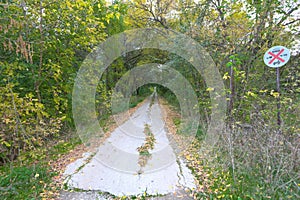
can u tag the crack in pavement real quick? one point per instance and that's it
(114, 167)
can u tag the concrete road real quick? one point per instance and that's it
(115, 167)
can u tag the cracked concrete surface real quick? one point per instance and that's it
(114, 168)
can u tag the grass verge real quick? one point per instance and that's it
(244, 164)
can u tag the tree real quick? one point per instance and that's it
(42, 46)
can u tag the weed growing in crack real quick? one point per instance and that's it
(144, 149)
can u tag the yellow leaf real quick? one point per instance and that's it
(263, 91)
(275, 94)
(69, 4)
(6, 144)
(188, 157)
(118, 15)
(226, 76)
(249, 93)
(7, 121)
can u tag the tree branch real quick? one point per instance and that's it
(288, 14)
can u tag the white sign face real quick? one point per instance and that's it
(277, 56)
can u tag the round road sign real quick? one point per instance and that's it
(277, 56)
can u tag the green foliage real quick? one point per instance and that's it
(169, 96)
(42, 45)
(24, 122)
(136, 99)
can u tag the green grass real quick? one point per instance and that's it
(63, 147)
(135, 100)
(23, 179)
(171, 99)
(145, 153)
(176, 121)
(23, 182)
(239, 184)
(246, 186)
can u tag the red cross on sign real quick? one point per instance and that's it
(277, 56)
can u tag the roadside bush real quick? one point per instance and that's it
(254, 163)
(24, 124)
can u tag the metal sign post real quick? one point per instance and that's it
(276, 57)
(278, 98)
